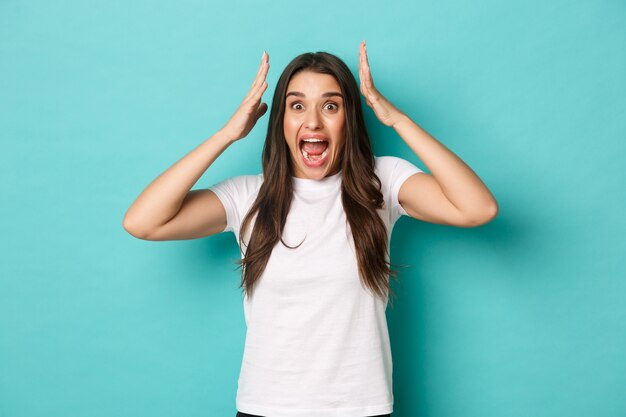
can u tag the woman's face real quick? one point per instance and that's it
(314, 124)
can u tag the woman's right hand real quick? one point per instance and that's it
(251, 109)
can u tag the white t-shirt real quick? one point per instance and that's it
(317, 343)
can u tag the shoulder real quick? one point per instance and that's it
(239, 187)
(252, 182)
(236, 195)
(393, 172)
(385, 163)
(248, 179)
(241, 182)
(390, 169)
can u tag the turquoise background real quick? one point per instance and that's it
(524, 316)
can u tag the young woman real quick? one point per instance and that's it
(314, 231)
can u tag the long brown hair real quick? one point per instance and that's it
(360, 187)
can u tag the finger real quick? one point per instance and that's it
(256, 91)
(363, 55)
(260, 76)
(255, 97)
(261, 81)
(365, 72)
(258, 73)
(361, 62)
(364, 90)
(366, 66)
(362, 70)
(369, 92)
(264, 70)
(366, 69)
(362, 74)
(260, 66)
(369, 82)
(264, 63)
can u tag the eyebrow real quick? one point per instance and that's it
(299, 94)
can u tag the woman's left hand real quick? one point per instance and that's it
(386, 112)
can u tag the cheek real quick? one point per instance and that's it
(290, 125)
(340, 130)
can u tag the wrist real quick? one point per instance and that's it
(225, 137)
(400, 120)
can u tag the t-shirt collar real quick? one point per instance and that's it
(300, 184)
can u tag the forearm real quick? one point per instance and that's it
(163, 197)
(458, 182)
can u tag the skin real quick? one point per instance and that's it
(451, 194)
(314, 105)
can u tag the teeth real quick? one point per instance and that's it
(306, 155)
(312, 140)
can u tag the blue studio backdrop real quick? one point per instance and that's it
(523, 316)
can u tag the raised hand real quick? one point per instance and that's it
(386, 112)
(251, 109)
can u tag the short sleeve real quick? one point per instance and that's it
(392, 172)
(237, 195)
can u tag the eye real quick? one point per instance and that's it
(297, 106)
(331, 106)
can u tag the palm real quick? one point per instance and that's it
(386, 112)
(251, 109)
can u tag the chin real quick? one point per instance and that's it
(316, 175)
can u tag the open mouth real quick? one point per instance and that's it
(314, 150)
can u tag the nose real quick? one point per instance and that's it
(313, 120)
